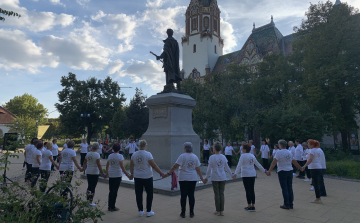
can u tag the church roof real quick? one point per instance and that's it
(6, 117)
(205, 2)
(265, 39)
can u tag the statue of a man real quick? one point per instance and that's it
(171, 66)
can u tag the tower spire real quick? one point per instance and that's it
(254, 26)
(272, 19)
(338, 2)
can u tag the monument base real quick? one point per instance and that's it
(170, 126)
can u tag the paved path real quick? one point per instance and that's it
(341, 205)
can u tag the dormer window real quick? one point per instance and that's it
(206, 22)
(194, 73)
(194, 50)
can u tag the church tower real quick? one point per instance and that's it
(202, 43)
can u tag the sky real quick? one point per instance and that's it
(100, 38)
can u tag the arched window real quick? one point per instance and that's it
(206, 22)
(194, 50)
(215, 49)
(194, 73)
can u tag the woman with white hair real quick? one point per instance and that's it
(92, 162)
(189, 167)
(141, 165)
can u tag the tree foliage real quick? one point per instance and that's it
(8, 13)
(137, 121)
(99, 98)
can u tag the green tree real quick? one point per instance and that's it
(137, 114)
(117, 124)
(99, 98)
(27, 109)
(8, 13)
(55, 128)
(327, 49)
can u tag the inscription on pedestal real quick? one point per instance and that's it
(160, 113)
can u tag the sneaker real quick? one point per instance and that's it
(113, 209)
(307, 180)
(216, 213)
(149, 214)
(316, 202)
(23, 168)
(192, 214)
(312, 189)
(182, 214)
(222, 213)
(294, 174)
(247, 208)
(285, 207)
(251, 209)
(141, 213)
(92, 204)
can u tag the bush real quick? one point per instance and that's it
(343, 168)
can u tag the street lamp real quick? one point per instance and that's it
(85, 115)
(37, 120)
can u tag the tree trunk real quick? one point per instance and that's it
(344, 140)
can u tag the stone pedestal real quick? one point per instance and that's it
(170, 126)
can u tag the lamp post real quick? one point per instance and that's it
(85, 115)
(37, 120)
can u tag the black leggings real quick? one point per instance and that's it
(82, 159)
(229, 157)
(187, 189)
(92, 182)
(28, 172)
(265, 163)
(308, 173)
(249, 184)
(318, 182)
(68, 175)
(35, 173)
(52, 165)
(140, 184)
(45, 174)
(114, 184)
(206, 156)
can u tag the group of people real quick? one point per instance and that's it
(40, 158)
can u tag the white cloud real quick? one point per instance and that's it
(82, 2)
(57, 2)
(32, 20)
(18, 51)
(155, 3)
(98, 16)
(125, 47)
(227, 33)
(160, 20)
(148, 72)
(78, 50)
(116, 66)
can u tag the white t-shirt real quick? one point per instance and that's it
(142, 168)
(252, 150)
(284, 160)
(100, 149)
(206, 147)
(274, 152)
(292, 150)
(317, 160)
(35, 153)
(298, 152)
(228, 150)
(55, 150)
(45, 162)
(132, 148)
(216, 167)
(28, 149)
(323, 160)
(92, 167)
(65, 146)
(265, 151)
(84, 148)
(67, 163)
(246, 165)
(114, 160)
(188, 162)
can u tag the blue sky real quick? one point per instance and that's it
(99, 38)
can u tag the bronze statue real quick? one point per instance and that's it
(170, 56)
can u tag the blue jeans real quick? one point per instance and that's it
(285, 179)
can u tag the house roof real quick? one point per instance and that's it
(6, 117)
(265, 39)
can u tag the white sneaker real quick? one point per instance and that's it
(93, 204)
(141, 213)
(312, 189)
(149, 214)
(23, 168)
(294, 174)
(307, 180)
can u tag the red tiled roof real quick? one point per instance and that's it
(6, 117)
